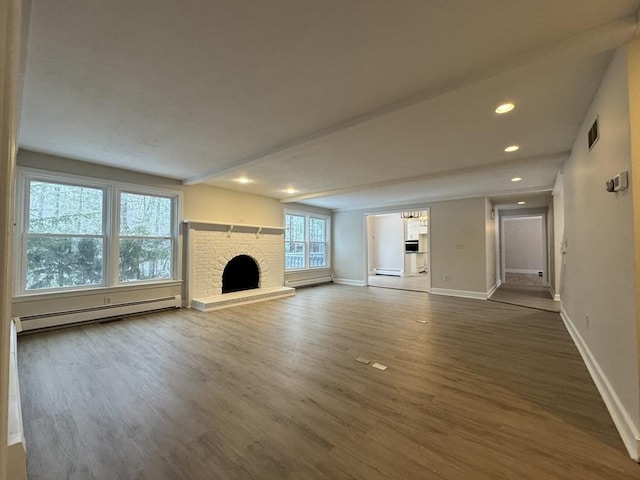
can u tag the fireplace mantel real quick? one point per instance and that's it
(233, 227)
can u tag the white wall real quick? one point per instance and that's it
(458, 246)
(387, 238)
(524, 244)
(558, 235)
(598, 292)
(490, 243)
(349, 258)
(10, 20)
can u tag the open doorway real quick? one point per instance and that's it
(398, 250)
(524, 250)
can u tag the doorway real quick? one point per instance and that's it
(398, 250)
(524, 250)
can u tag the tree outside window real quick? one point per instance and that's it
(65, 238)
(76, 232)
(145, 237)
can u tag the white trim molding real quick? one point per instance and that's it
(621, 418)
(460, 293)
(493, 289)
(523, 270)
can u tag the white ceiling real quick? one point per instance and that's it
(355, 104)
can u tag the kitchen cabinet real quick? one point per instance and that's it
(415, 263)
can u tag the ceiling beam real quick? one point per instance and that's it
(591, 42)
(558, 158)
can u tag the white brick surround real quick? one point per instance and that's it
(211, 246)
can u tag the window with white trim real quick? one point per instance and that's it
(306, 241)
(76, 232)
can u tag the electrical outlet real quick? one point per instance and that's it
(446, 278)
(107, 300)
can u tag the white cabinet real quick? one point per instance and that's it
(412, 229)
(415, 263)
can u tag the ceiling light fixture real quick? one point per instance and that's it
(243, 180)
(512, 148)
(417, 214)
(521, 203)
(505, 108)
(516, 179)
(290, 190)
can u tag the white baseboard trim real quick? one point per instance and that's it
(349, 281)
(522, 270)
(459, 293)
(493, 289)
(556, 297)
(626, 428)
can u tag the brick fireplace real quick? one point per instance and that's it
(210, 248)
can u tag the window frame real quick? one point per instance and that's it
(307, 242)
(111, 229)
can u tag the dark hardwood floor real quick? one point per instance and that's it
(481, 391)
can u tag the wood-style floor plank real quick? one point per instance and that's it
(482, 391)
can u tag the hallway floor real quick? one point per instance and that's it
(531, 296)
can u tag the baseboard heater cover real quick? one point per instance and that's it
(308, 281)
(54, 319)
(389, 271)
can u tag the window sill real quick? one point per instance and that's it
(309, 269)
(29, 297)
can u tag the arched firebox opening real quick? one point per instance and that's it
(241, 273)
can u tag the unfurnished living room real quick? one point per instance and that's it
(320, 239)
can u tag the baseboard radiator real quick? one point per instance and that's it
(388, 271)
(308, 281)
(56, 319)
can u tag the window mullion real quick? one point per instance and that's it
(112, 227)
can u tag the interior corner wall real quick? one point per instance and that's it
(598, 291)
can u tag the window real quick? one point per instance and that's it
(79, 233)
(145, 243)
(305, 241)
(65, 239)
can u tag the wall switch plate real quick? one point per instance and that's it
(621, 181)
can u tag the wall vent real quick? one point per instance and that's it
(594, 134)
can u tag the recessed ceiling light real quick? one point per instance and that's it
(243, 180)
(290, 190)
(516, 179)
(512, 148)
(505, 108)
(521, 203)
